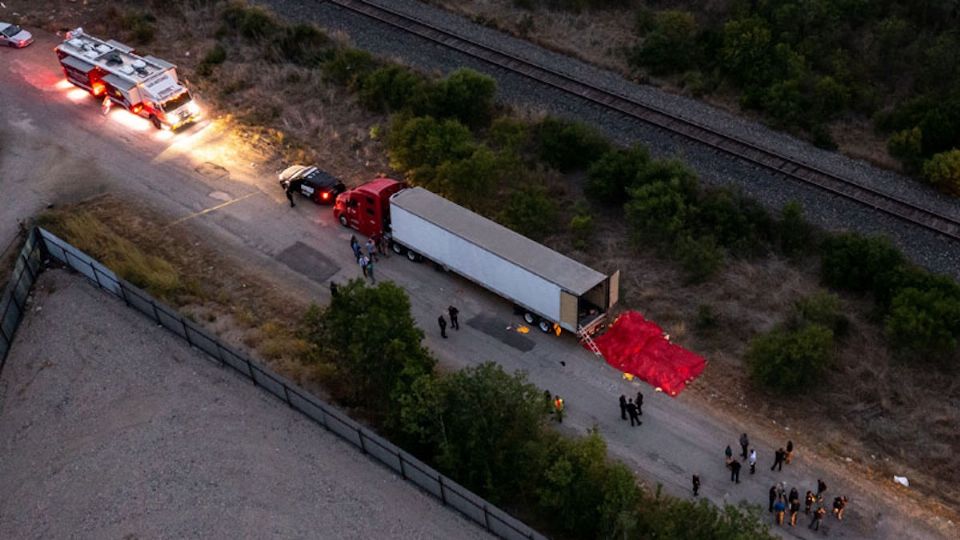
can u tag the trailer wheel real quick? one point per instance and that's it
(397, 248)
(530, 318)
(155, 121)
(413, 256)
(343, 220)
(545, 326)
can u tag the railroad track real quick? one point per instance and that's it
(737, 148)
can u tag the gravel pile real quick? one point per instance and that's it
(111, 427)
(926, 248)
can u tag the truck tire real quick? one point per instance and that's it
(413, 256)
(155, 121)
(397, 248)
(343, 220)
(545, 326)
(530, 318)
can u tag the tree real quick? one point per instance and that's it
(790, 360)
(374, 340)
(924, 324)
(943, 170)
(610, 176)
(569, 146)
(464, 95)
(658, 211)
(390, 88)
(418, 145)
(859, 263)
(672, 45)
(530, 211)
(746, 50)
(470, 181)
(479, 424)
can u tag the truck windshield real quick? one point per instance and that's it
(11, 30)
(177, 102)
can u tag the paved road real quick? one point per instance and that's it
(58, 148)
(112, 427)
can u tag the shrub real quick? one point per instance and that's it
(822, 308)
(569, 146)
(465, 95)
(924, 324)
(509, 134)
(530, 211)
(738, 223)
(672, 44)
(790, 360)
(214, 57)
(581, 225)
(302, 44)
(943, 171)
(746, 50)
(252, 22)
(670, 171)
(658, 212)
(610, 176)
(794, 235)
(907, 146)
(390, 88)
(859, 263)
(349, 66)
(418, 145)
(707, 318)
(700, 258)
(470, 181)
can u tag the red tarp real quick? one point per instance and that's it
(635, 345)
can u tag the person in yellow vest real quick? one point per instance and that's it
(558, 408)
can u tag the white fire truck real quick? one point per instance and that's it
(144, 85)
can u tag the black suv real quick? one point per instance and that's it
(314, 184)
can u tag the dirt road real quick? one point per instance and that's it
(57, 148)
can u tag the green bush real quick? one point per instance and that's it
(794, 235)
(739, 224)
(822, 308)
(671, 171)
(418, 145)
(610, 176)
(859, 263)
(790, 360)
(252, 22)
(214, 57)
(390, 88)
(907, 146)
(671, 46)
(470, 181)
(530, 211)
(943, 171)
(302, 44)
(581, 225)
(349, 66)
(924, 324)
(700, 258)
(568, 146)
(464, 95)
(707, 318)
(658, 212)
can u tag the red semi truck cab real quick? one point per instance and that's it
(367, 208)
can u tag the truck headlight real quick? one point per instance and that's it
(193, 108)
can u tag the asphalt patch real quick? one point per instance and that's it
(497, 329)
(309, 262)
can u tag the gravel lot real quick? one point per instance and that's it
(111, 427)
(928, 249)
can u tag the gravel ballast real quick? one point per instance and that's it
(111, 427)
(926, 248)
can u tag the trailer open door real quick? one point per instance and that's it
(569, 305)
(614, 291)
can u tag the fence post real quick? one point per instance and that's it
(250, 371)
(123, 293)
(360, 434)
(443, 492)
(486, 517)
(156, 314)
(286, 394)
(186, 333)
(403, 470)
(95, 276)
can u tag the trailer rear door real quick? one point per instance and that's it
(568, 309)
(614, 289)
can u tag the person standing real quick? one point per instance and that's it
(794, 506)
(778, 459)
(639, 403)
(558, 408)
(839, 505)
(821, 488)
(752, 460)
(371, 249)
(106, 105)
(808, 502)
(363, 262)
(728, 454)
(632, 411)
(289, 193)
(696, 485)
(778, 509)
(817, 518)
(454, 322)
(773, 496)
(334, 291)
(370, 271)
(735, 471)
(744, 443)
(443, 326)
(789, 455)
(623, 407)
(355, 246)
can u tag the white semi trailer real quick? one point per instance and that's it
(550, 290)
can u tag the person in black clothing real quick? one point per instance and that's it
(789, 455)
(821, 487)
(632, 411)
(639, 403)
(744, 443)
(454, 323)
(696, 485)
(623, 407)
(289, 191)
(735, 471)
(778, 459)
(773, 496)
(333, 289)
(443, 326)
(809, 500)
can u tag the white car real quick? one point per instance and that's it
(12, 35)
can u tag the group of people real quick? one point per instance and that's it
(368, 254)
(453, 312)
(782, 504)
(632, 409)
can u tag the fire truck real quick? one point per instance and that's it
(144, 85)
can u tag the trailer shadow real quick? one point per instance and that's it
(498, 329)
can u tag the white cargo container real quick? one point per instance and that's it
(551, 290)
